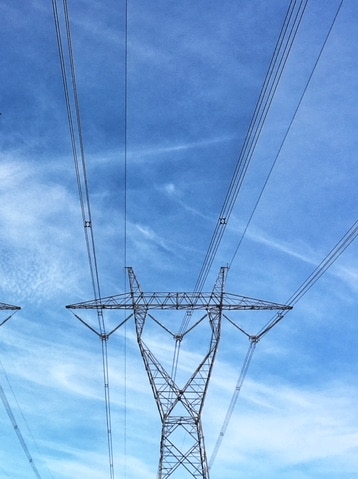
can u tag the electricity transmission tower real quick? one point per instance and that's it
(182, 448)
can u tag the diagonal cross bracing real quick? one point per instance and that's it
(182, 448)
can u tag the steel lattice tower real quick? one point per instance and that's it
(180, 408)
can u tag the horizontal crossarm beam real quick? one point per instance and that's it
(9, 307)
(180, 301)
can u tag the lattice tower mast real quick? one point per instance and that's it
(182, 447)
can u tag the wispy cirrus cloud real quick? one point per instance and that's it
(288, 427)
(138, 154)
(28, 201)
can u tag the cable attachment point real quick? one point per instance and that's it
(88, 224)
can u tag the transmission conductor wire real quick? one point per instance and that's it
(233, 401)
(18, 431)
(278, 61)
(91, 248)
(125, 224)
(13, 421)
(4, 472)
(80, 168)
(332, 256)
(286, 133)
(11, 416)
(325, 264)
(282, 50)
(83, 190)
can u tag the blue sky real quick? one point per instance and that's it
(195, 71)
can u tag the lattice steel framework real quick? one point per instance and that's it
(182, 448)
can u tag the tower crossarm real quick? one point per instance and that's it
(180, 301)
(9, 307)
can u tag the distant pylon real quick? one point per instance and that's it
(182, 448)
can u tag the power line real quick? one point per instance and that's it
(77, 143)
(233, 401)
(278, 61)
(8, 409)
(125, 135)
(7, 406)
(326, 263)
(286, 133)
(18, 432)
(21, 412)
(317, 273)
(76, 135)
(125, 225)
(282, 50)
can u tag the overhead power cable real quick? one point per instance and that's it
(278, 61)
(286, 133)
(282, 50)
(18, 432)
(7, 406)
(76, 134)
(75, 126)
(326, 263)
(11, 415)
(317, 273)
(125, 228)
(125, 136)
(233, 401)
